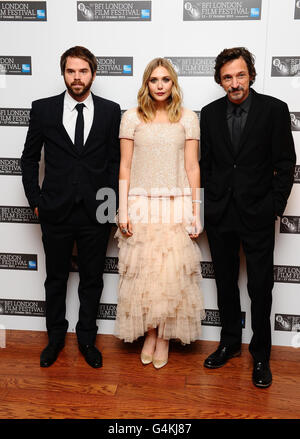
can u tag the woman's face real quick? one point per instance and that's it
(160, 84)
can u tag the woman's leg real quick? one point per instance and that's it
(149, 346)
(160, 356)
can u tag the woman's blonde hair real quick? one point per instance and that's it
(146, 104)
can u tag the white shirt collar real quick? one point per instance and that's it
(71, 102)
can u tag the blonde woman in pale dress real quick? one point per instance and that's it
(159, 219)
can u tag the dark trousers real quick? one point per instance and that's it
(91, 239)
(225, 240)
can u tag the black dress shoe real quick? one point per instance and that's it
(262, 375)
(91, 354)
(221, 356)
(50, 354)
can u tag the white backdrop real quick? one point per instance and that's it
(274, 34)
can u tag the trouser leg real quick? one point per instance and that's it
(58, 243)
(92, 243)
(259, 248)
(224, 247)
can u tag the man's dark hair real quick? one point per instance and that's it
(231, 54)
(79, 52)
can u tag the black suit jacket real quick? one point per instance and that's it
(260, 176)
(67, 172)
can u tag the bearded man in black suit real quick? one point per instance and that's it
(247, 170)
(79, 132)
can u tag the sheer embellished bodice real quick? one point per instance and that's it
(158, 156)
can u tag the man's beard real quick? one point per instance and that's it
(238, 89)
(78, 94)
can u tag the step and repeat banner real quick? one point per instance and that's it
(125, 36)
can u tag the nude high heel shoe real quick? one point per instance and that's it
(146, 359)
(158, 363)
(151, 336)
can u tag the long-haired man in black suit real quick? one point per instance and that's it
(79, 132)
(247, 168)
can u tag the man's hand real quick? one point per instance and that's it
(36, 212)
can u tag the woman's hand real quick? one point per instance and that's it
(126, 228)
(195, 228)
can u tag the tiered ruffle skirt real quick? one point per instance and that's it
(160, 275)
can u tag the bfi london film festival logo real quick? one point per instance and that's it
(284, 322)
(193, 66)
(20, 307)
(212, 318)
(36, 308)
(10, 166)
(287, 67)
(202, 10)
(15, 65)
(289, 323)
(290, 224)
(14, 117)
(23, 11)
(287, 274)
(17, 214)
(115, 66)
(207, 270)
(114, 11)
(297, 9)
(107, 311)
(295, 120)
(18, 261)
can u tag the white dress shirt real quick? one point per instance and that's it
(70, 115)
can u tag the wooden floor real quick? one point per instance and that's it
(125, 389)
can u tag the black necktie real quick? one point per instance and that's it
(236, 127)
(79, 128)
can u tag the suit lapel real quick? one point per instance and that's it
(97, 124)
(59, 103)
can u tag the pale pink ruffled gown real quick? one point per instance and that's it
(159, 265)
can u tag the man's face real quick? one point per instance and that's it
(78, 78)
(235, 80)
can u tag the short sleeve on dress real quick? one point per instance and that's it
(128, 124)
(191, 124)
